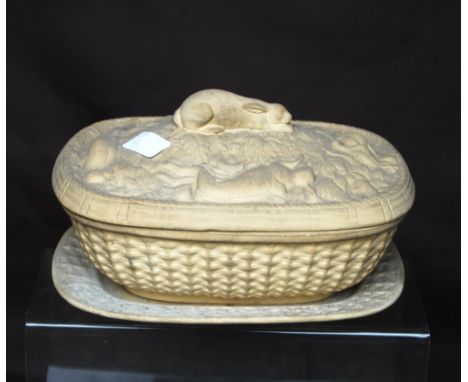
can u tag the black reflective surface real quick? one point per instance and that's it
(64, 343)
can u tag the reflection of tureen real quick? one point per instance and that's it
(245, 206)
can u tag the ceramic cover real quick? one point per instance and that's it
(305, 176)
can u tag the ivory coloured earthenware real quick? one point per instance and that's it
(246, 206)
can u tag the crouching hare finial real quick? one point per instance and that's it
(214, 111)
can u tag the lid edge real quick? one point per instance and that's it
(385, 207)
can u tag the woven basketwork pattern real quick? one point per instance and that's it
(231, 270)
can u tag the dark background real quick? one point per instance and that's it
(392, 67)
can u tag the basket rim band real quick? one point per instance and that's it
(238, 236)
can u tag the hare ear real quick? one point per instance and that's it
(254, 107)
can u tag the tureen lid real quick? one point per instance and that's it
(228, 163)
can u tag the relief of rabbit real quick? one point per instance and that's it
(275, 180)
(214, 111)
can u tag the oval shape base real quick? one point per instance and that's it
(227, 301)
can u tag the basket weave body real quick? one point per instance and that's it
(219, 272)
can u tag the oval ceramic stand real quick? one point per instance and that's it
(81, 284)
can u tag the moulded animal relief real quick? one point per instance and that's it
(217, 111)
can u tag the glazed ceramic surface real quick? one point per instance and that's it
(246, 206)
(78, 281)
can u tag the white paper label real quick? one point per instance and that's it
(147, 143)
